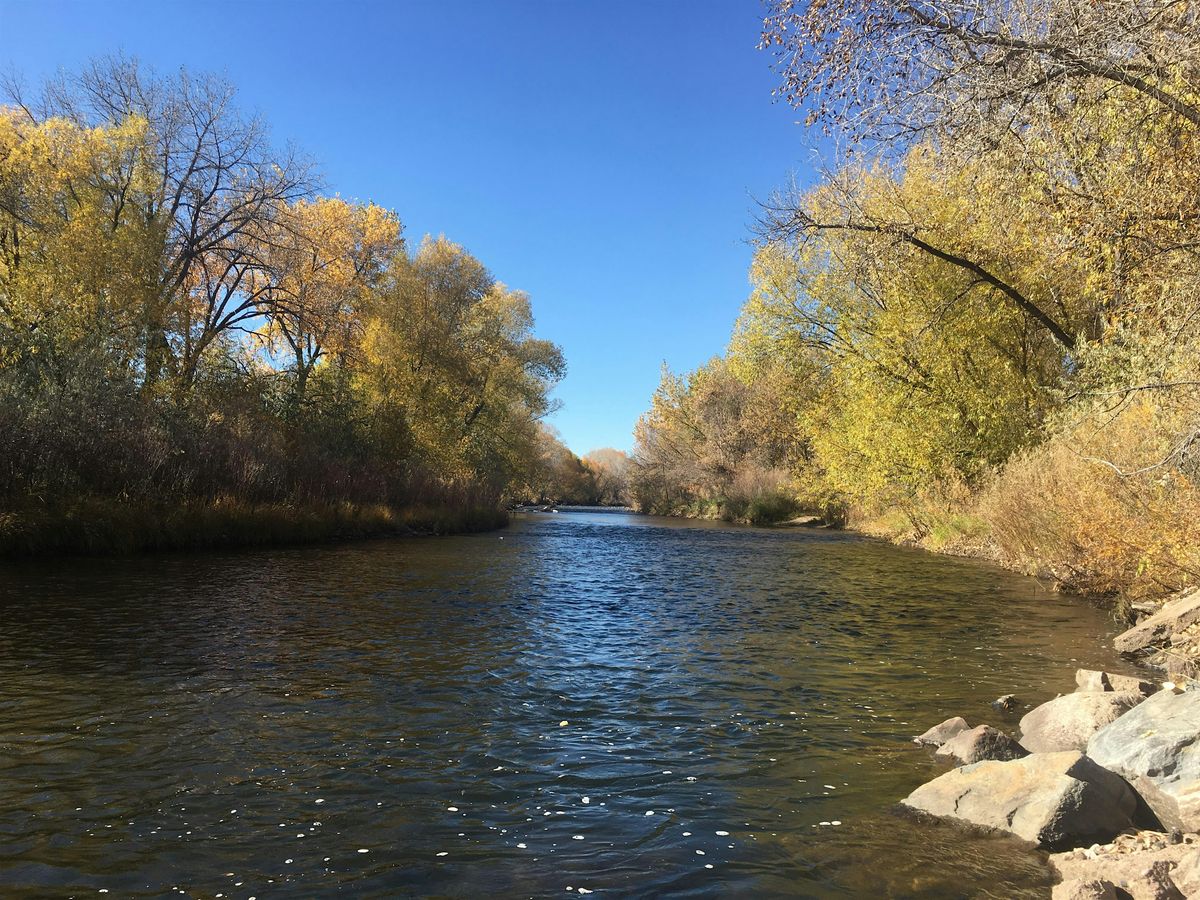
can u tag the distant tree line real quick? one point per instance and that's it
(558, 476)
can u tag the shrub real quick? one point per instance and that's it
(1064, 510)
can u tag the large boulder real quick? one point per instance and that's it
(1067, 722)
(942, 732)
(1158, 628)
(1051, 799)
(980, 743)
(1091, 680)
(1156, 747)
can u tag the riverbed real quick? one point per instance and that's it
(583, 701)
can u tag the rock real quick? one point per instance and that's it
(1091, 680)
(1186, 874)
(1067, 722)
(980, 743)
(1084, 890)
(1143, 865)
(1156, 747)
(939, 734)
(1142, 609)
(1051, 799)
(1154, 882)
(1158, 628)
(1122, 684)
(1006, 704)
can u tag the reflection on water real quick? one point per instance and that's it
(585, 700)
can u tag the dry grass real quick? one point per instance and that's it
(1057, 510)
(105, 526)
(1061, 510)
(943, 518)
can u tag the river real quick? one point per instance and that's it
(589, 700)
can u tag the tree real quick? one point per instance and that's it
(610, 470)
(323, 262)
(452, 352)
(71, 281)
(206, 180)
(183, 319)
(900, 68)
(556, 475)
(704, 447)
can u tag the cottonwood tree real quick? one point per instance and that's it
(610, 470)
(899, 68)
(1094, 104)
(324, 260)
(450, 351)
(214, 190)
(715, 440)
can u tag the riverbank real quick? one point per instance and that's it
(1106, 775)
(107, 527)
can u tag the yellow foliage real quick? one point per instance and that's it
(1063, 509)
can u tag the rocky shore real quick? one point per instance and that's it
(1107, 777)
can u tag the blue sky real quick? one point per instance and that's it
(603, 156)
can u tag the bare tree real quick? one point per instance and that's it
(889, 69)
(217, 187)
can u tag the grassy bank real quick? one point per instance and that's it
(109, 527)
(1054, 512)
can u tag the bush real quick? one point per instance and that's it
(1063, 510)
(941, 516)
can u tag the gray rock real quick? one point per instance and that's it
(1006, 704)
(980, 743)
(939, 734)
(1158, 628)
(1089, 680)
(1051, 799)
(1067, 722)
(1084, 890)
(1156, 747)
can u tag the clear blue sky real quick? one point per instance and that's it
(603, 156)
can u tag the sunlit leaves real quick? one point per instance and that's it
(159, 256)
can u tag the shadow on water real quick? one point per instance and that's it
(738, 706)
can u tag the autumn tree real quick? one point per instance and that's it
(72, 268)
(324, 261)
(555, 474)
(701, 448)
(610, 472)
(183, 319)
(207, 180)
(452, 352)
(900, 69)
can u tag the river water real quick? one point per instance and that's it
(588, 700)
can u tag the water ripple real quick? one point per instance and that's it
(629, 706)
